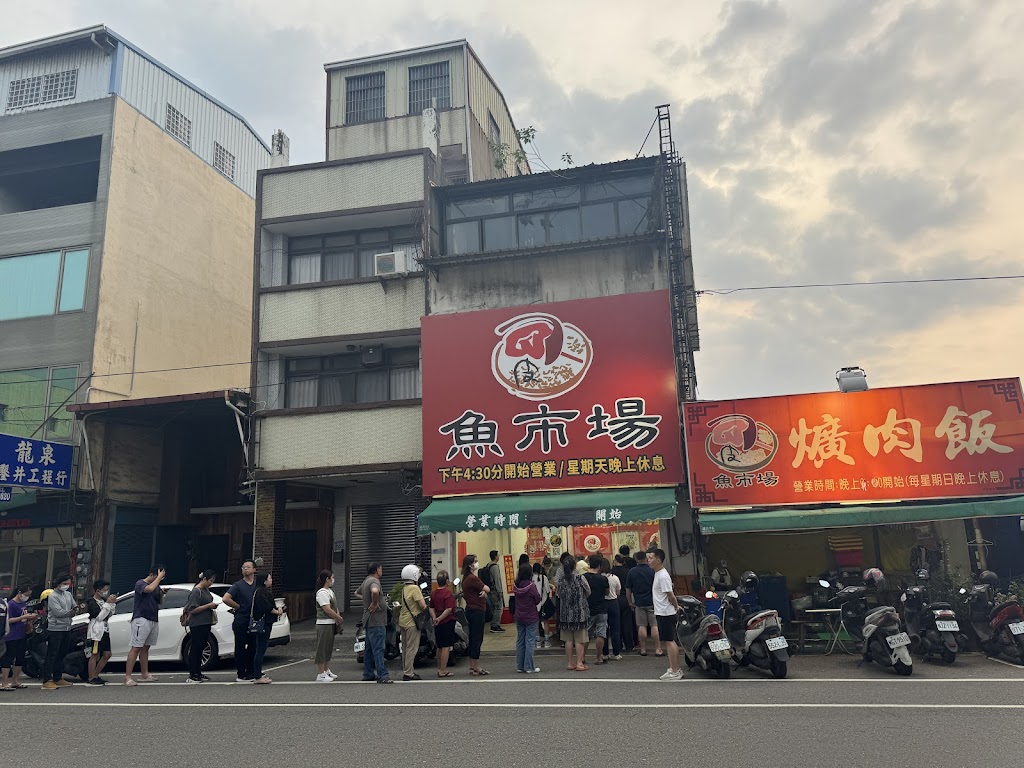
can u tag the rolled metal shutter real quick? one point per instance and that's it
(385, 533)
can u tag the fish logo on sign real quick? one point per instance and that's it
(538, 357)
(738, 444)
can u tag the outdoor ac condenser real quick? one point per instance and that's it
(389, 263)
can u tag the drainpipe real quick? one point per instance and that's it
(88, 453)
(239, 415)
(131, 381)
(468, 113)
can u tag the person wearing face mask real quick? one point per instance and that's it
(60, 607)
(328, 623)
(475, 593)
(19, 623)
(101, 607)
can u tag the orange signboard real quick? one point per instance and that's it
(924, 442)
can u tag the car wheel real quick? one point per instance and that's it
(210, 657)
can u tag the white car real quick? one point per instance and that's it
(173, 641)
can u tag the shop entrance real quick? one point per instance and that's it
(34, 557)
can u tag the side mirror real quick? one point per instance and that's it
(456, 582)
(423, 585)
(710, 595)
(963, 590)
(823, 583)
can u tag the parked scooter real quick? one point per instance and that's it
(75, 663)
(701, 638)
(878, 629)
(997, 629)
(755, 636)
(933, 627)
(391, 644)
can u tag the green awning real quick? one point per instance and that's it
(26, 499)
(537, 510)
(848, 516)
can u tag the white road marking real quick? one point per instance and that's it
(513, 706)
(1007, 663)
(289, 664)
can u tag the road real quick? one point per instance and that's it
(829, 712)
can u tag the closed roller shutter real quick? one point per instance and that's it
(385, 533)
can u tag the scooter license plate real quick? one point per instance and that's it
(717, 646)
(359, 647)
(776, 643)
(1017, 628)
(947, 626)
(899, 640)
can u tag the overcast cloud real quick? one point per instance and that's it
(825, 142)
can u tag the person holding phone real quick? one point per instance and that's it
(20, 622)
(145, 624)
(101, 607)
(200, 609)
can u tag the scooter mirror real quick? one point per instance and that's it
(456, 582)
(963, 590)
(823, 583)
(923, 574)
(423, 585)
(710, 595)
(732, 593)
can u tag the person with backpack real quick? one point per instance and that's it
(101, 607)
(492, 578)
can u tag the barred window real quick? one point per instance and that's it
(429, 87)
(364, 98)
(223, 161)
(179, 126)
(42, 89)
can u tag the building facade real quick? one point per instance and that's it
(126, 205)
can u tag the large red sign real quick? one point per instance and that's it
(925, 442)
(577, 394)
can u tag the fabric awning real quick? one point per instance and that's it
(537, 510)
(848, 516)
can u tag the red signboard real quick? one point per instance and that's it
(925, 442)
(576, 394)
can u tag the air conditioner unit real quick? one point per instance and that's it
(389, 263)
(371, 356)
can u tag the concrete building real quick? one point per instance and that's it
(353, 252)
(126, 206)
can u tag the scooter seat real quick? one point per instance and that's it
(938, 607)
(1001, 606)
(690, 600)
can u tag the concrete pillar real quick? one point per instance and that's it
(268, 535)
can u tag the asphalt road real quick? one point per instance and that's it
(828, 712)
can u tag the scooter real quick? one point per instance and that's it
(997, 628)
(933, 627)
(701, 638)
(756, 638)
(877, 629)
(75, 662)
(391, 644)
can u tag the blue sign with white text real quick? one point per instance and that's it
(5, 493)
(31, 463)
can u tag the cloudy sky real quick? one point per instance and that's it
(825, 142)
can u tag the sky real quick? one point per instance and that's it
(824, 142)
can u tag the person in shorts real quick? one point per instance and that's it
(101, 607)
(20, 622)
(639, 586)
(442, 613)
(666, 611)
(598, 625)
(145, 624)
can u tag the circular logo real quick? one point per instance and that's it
(539, 357)
(592, 544)
(739, 444)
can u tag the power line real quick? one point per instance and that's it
(727, 291)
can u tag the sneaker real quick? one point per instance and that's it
(204, 679)
(520, 671)
(64, 684)
(96, 681)
(130, 682)
(101, 681)
(249, 679)
(616, 657)
(670, 675)
(497, 629)
(331, 675)
(533, 671)
(323, 677)
(385, 680)
(49, 685)
(194, 680)
(413, 676)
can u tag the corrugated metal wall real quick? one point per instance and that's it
(93, 67)
(396, 82)
(308, 441)
(484, 98)
(395, 135)
(340, 310)
(343, 187)
(150, 89)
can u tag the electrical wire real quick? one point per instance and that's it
(920, 281)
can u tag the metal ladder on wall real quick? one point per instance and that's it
(684, 298)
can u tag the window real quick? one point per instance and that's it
(42, 283)
(457, 178)
(31, 397)
(429, 87)
(544, 217)
(353, 378)
(50, 175)
(364, 98)
(179, 126)
(42, 89)
(223, 161)
(347, 256)
(493, 131)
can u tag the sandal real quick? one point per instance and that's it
(643, 653)
(601, 661)
(659, 653)
(7, 688)
(19, 685)
(478, 672)
(582, 668)
(446, 673)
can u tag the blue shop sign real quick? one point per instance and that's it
(33, 463)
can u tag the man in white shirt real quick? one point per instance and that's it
(666, 611)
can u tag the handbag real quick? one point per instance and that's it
(256, 626)
(419, 619)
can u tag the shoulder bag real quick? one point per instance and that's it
(256, 626)
(419, 619)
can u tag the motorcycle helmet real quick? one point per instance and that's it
(988, 577)
(749, 581)
(873, 577)
(410, 572)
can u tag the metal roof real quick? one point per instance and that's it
(394, 54)
(88, 33)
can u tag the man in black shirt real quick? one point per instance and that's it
(240, 599)
(598, 607)
(627, 623)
